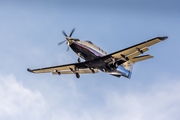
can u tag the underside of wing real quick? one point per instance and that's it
(80, 71)
(131, 52)
(81, 68)
(135, 50)
(141, 58)
(51, 69)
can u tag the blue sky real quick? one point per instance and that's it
(30, 31)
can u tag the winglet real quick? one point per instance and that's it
(163, 38)
(29, 70)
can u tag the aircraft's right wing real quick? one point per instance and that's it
(131, 52)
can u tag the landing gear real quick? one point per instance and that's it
(79, 60)
(77, 75)
(115, 65)
(93, 71)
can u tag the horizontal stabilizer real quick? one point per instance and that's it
(141, 58)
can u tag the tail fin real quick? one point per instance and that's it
(128, 65)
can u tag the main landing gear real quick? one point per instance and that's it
(77, 75)
(79, 60)
(115, 65)
(92, 70)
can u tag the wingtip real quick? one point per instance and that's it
(163, 38)
(29, 70)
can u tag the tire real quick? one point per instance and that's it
(77, 75)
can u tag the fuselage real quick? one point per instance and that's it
(87, 50)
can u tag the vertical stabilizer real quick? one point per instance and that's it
(128, 65)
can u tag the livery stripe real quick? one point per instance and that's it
(89, 49)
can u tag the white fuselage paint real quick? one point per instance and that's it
(91, 47)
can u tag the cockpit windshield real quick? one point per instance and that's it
(89, 42)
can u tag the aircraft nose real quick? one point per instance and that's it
(67, 38)
(69, 41)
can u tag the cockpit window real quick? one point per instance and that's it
(89, 42)
(76, 40)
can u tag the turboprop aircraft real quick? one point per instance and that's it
(119, 63)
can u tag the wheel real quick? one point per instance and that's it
(79, 60)
(77, 75)
(115, 65)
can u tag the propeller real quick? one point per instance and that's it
(71, 32)
(64, 33)
(61, 42)
(67, 38)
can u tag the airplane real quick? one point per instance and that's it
(119, 63)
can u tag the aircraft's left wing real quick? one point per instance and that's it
(82, 68)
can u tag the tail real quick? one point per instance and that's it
(128, 65)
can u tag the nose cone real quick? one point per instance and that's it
(69, 40)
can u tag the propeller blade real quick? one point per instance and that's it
(67, 49)
(61, 42)
(64, 33)
(71, 32)
(68, 38)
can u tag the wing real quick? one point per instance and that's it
(82, 68)
(131, 52)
